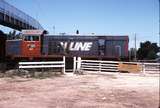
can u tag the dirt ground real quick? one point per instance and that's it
(80, 91)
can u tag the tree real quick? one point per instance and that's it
(13, 35)
(147, 51)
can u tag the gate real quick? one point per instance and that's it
(99, 66)
(95, 66)
(151, 68)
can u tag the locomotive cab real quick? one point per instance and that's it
(31, 43)
(31, 46)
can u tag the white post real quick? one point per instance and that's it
(79, 64)
(144, 70)
(74, 64)
(99, 67)
(63, 69)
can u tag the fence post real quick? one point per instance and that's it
(99, 67)
(74, 64)
(64, 63)
(144, 70)
(79, 64)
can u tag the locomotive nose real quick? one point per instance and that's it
(31, 46)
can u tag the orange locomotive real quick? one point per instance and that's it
(27, 47)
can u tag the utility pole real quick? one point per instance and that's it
(135, 49)
(54, 29)
(129, 54)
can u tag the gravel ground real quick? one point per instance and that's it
(80, 91)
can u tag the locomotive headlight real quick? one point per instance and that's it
(31, 46)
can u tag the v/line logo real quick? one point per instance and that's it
(77, 46)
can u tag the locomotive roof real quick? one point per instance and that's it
(90, 35)
(112, 37)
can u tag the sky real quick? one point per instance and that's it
(102, 17)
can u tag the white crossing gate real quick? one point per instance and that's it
(43, 64)
(151, 68)
(95, 66)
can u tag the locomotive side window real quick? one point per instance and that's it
(31, 38)
(35, 38)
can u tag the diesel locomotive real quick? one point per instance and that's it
(35, 44)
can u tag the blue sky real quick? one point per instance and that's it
(109, 17)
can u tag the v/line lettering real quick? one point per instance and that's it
(77, 46)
